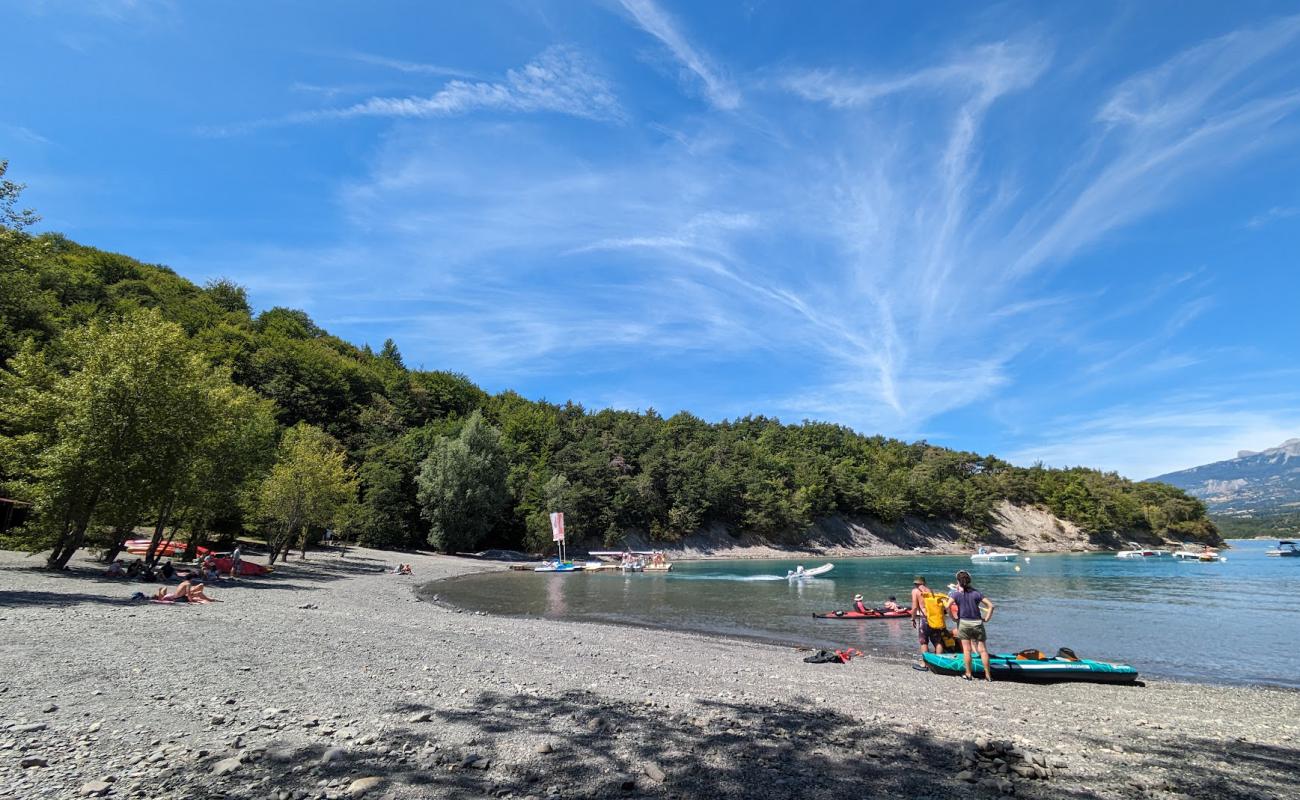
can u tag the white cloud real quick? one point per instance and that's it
(1142, 441)
(1274, 214)
(410, 67)
(560, 80)
(659, 24)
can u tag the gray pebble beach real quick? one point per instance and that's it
(331, 679)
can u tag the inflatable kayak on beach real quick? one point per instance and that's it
(870, 614)
(1006, 667)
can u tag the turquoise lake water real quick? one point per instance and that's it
(1230, 622)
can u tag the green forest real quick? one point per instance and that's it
(131, 396)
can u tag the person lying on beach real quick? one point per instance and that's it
(186, 592)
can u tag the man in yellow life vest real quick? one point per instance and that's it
(936, 621)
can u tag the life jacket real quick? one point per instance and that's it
(936, 610)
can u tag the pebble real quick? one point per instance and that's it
(423, 716)
(96, 788)
(33, 761)
(654, 772)
(227, 766)
(545, 748)
(360, 786)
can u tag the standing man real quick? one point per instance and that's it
(235, 557)
(919, 592)
(971, 609)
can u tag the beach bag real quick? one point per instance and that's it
(936, 610)
(832, 656)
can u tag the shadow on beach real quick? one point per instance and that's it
(575, 745)
(88, 582)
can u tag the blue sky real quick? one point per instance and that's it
(1065, 233)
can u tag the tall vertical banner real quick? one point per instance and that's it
(557, 526)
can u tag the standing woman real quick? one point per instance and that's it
(971, 609)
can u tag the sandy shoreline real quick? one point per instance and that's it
(309, 682)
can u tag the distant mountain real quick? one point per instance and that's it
(1253, 483)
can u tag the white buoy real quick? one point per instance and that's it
(1017, 568)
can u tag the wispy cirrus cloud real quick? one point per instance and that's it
(409, 67)
(1274, 214)
(718, 89)
(560, 80)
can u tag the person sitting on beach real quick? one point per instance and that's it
(186, 592)
(116, 570)
(167, 571)
(134, 569)
(859, 606)
(971, 609)
(892, 604)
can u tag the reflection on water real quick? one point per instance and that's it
(1229, 622)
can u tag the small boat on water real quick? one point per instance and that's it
(987, 556)
(1011, 667)
(1205, 555)
(799, 573)
(629, 561)
(1284, 549)
(871, 613)
(559, 566)
(1138, 551)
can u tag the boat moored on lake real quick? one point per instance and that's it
(1138, 551)
(1284, 549)
(987, 556)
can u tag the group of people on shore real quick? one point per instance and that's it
(963, 604)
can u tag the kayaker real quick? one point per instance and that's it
(859, 606)
(891, 604)
(919, 591)
(971, 609)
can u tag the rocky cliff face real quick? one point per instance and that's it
(1022, 528)
(1252, 483)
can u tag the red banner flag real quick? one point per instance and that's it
(557, 526)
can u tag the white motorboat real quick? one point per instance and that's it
(986, 556)
(1284, 549)
(1138, 551)
(1205, 555)
(799, 573)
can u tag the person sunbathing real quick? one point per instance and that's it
(186, 592)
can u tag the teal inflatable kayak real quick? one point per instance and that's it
(1006, 667)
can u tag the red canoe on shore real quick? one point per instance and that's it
(870, 614)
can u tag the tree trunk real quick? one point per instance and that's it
(163, 513)
(70, 543)
(119, 541)
(197, 535)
